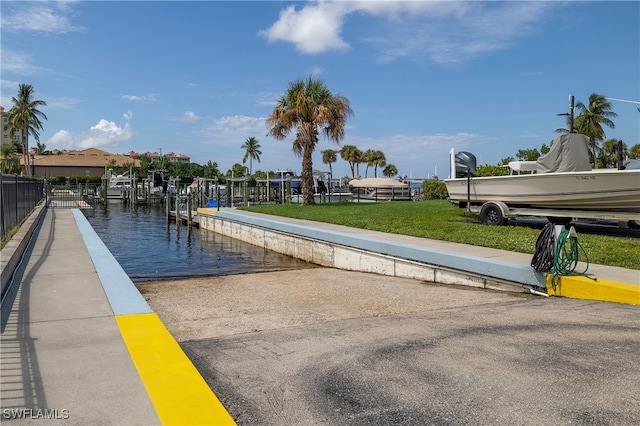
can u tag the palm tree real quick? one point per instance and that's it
(390, 171)
(352, 155)
(252, 152)
(25, 116)
(368, 157)
(9, 161)
(608, 157)
(377, 160)
(309, 106)
(329, 156)
(590, 120)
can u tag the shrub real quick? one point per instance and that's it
(433, 189)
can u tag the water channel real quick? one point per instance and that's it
(149, 247)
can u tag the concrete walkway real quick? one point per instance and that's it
(80, 344)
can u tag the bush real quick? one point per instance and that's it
(96, 180)
(487, 170)
(433, 189)
(57, 180)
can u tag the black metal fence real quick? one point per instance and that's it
(73, 197)
(18, 197)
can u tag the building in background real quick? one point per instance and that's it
(87, 162)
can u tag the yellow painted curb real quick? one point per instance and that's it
(209, 211)
(579, 287)
(177, 390)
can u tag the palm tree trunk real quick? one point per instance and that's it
(307, 177)
(25, 151)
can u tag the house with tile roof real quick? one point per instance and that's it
(86, 162)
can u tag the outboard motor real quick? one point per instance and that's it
(465, 162)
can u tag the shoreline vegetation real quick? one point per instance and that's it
(440, 220)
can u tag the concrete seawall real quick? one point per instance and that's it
(366, 251)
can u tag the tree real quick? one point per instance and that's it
(528, 154)
(252, 152)
(329, 156)
(10, 160)
(591, 119)
(309, 106)
(378, 160)
(352, 155)
(25, 117)
(41, 148)
(390, 171)
(211, 170)
(608, 156)
(634, 152)
(368, 158)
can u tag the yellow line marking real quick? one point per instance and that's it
(578, 287)
(177, 390)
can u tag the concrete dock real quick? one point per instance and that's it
(80, 344)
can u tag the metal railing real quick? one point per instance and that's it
(18, 197)
(81, 197)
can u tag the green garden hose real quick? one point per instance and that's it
(567, 254)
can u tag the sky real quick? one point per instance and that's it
(422, 77)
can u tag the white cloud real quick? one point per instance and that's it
(104, 134)
(241, 125)
(41, 16)
(151, 97)
(18, 62)
(313, 29)
(444, 32)
(189, 117)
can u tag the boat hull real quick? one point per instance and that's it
(598, 190)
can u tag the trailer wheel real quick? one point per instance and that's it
(491, 214)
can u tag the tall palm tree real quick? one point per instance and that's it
(252, 152)
(329, 156)
(309, 107)
(367, 158)
(352, 155)
(590, 120)
(377, 159)
(25, 117)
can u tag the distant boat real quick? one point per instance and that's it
(119, 184)
(379, 189)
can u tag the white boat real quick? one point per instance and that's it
(379, 189)
(561, 180)
(119, 184)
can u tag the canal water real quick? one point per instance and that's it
(148, 247)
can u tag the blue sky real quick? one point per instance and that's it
(199, 78)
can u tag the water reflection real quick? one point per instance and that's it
(149, 247)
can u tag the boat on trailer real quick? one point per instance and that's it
(560, 184)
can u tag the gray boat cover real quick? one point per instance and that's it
(568, 153)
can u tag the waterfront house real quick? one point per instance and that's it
(86, 162)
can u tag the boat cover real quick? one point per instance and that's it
(568, 153)
(376, 183)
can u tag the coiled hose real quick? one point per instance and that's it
(558, 257)
(545, 250)
(567, 256)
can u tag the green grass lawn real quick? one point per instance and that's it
(440, 220)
